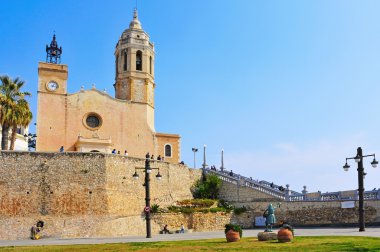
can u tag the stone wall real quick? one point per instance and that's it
(312, 213)
(196, 221)
(94, 195)
(235, 193)
(82, 194)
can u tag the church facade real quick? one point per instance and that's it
(92, 120)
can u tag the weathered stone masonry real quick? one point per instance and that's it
(82, 194)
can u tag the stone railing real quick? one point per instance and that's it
(289, 195)
(331, 196)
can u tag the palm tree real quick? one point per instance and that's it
(21, 117)
(10, 95)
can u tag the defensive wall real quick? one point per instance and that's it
(94, 195)
(83, 194)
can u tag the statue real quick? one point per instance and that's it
(270, 218)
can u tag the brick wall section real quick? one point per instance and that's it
(82, 194)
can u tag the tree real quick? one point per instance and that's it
(21, 116)
(207, 189)
(10, 96)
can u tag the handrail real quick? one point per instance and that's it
(286, 194)
(242, 181)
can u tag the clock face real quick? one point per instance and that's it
(52, 85)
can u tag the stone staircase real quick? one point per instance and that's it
(237, 188)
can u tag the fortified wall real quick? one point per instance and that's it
(83, 194)
(94, 195)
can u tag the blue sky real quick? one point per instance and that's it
(289, 89)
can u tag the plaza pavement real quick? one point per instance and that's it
(370, 231)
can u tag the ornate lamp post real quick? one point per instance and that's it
(147, 169)
(222, 166)
(359, 159)
(194, 150)
(204, 165)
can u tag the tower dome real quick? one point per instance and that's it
(135, 23)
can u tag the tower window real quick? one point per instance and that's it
(168, 150)
(125, 65)
(150, 64)
(139, 60)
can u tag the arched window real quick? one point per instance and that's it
(139, 60)
(168, 150)
(150, 64)
(125, 65)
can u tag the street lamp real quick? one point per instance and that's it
(204, 165)
(222, 166)
(147, 169)
(361, 174)
(194, 150)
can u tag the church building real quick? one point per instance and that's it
(93, 121)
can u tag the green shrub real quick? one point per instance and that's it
(204, 210)
(240, 210)
(200, 203)
(225, 204)
(207, 189)
(174, 209)
(233, 227)
(217, 209)
(155, 208)
(187, 210)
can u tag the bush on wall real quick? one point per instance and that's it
(207, 189)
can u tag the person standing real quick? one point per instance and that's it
(182, 230)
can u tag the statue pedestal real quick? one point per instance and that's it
(266, 236)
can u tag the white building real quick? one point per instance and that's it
(21, 143)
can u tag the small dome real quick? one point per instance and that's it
(135, 23)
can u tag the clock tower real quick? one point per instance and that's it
(52, 90)
(134, 61)
(52, 76)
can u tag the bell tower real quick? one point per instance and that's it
(134, 61)
(51, 99)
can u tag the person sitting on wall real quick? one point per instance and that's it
(114, 151)
(159, 158)
(36, 229)
(61, 149)
(165, 230)
(231, 173)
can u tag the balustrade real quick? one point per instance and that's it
(288, 195)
